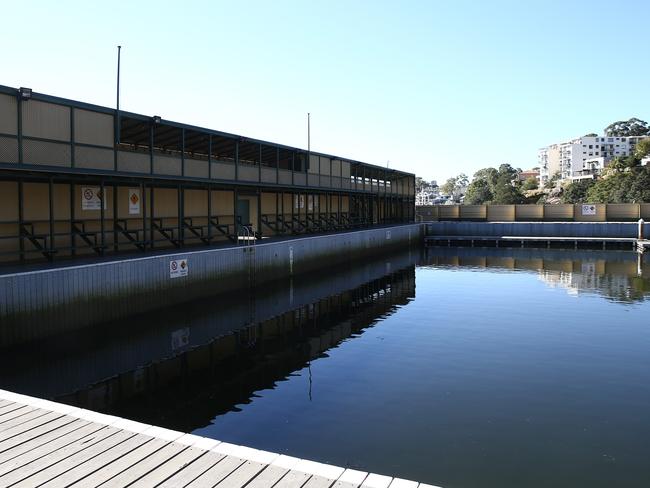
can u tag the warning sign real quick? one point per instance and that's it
(178, 268)
(589, 210)
(180, 338)
(134, 201)
(91, 198)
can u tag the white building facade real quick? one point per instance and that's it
(583, 157)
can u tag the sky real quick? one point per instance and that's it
(431, 87)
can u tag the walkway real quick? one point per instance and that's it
(44, 443)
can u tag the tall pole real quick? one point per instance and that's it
(117, 132)
(308, 132)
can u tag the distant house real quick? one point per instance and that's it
(530, 173)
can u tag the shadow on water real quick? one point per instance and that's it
(212, 354)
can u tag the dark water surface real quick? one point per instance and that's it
(460, 367)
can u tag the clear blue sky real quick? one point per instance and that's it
(435, 87)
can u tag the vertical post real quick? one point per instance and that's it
(72, 137)
(259, 212)
(236, 161)
(102, 203)
(308, 133)
(210, 211)
(259, 166)
(143, 198)
(21, 217)
(115, 223)
(73, 243)
(151, 141)
(117, 107)
(234, 214)
(293, 165)
(183, 152)
(180, 195)
(151, 217)
(209, 159)
(19, 126)
(51, 218)
(277, 167)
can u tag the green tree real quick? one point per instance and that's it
(478, 192)
(642, 148)
(449, 186)
(552, 181)
(530, 184)
(625, 128)
(455, 186)
(576, 192)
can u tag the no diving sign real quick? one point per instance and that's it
(178, 268)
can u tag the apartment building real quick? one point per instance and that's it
(583, 157)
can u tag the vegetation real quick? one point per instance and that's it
(576, 192)
(454, 186)
(625, 128)
(498, 186)
(530, 184)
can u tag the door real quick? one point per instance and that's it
(243, 212)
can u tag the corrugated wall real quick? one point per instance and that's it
(36, 304)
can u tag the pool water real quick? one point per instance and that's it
(461, 368)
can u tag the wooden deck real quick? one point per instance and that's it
(44, 443)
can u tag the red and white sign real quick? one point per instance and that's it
(134, 201)
(91, 198)
(178, 268)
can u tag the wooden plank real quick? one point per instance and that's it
(93, 464)
(20, 419)
(29, 454)
(168, 469)
(44, 457)
(25, 427)
(400, 483)
(37, 437)
(318, 482)
(4, 403)
(217, 472)
(242, 475)
(193, 471)
(52, 471)
(111, 470)
(269, 477)
(293, 479)
(22, 410)
(351, 478)
(139, 469)
(8, 407)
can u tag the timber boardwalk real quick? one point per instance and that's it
(43, 443)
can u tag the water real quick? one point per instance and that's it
(461, 367)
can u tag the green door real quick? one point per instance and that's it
(243, 212)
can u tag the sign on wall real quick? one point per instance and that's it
(589, 210)
(134, 201)
(178, 268)
(299, 201)
(91, 198)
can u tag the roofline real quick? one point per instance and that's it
(111, 111)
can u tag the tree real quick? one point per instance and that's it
(642, 148)
(550, 184)
(576, 192)
(591, 134)
(449, 186)
(625, 128)
(455, 186)
(478, 192)
(530, 184)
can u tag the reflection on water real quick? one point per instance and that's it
(617, 275)
(510, 368)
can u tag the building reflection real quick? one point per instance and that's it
(213, 354)
(621, 276)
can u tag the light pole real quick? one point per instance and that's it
(117, 131)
